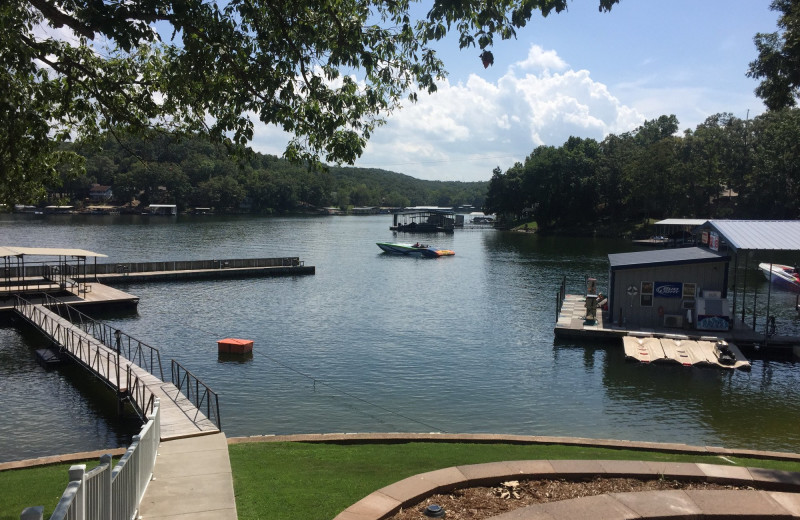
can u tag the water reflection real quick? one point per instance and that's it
(375, 342)
(52, 412)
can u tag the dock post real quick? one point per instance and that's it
(118, 338)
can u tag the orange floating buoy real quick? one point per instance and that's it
(234, 346)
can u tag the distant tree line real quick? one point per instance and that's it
(194, 172)
(727, 167)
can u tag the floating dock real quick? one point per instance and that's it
(96, 295)
(90, 287)
(681, 350)
(197, 270)
(677, 345)
(48, 358)
(571, 323)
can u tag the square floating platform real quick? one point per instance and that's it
(235, 346)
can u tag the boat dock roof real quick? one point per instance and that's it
(6, 251)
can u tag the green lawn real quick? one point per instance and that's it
(38, 486)
(316, 481)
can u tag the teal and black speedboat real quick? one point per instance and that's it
(414, 249)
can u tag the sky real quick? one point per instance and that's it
(578, 73)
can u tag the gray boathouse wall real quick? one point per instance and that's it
(648, 309)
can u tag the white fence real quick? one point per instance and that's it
(106, 493)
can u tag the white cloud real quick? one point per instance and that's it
(540, 59)
(465, 130)
(268, 139)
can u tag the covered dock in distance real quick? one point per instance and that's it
(161, 209)
(42, 269)
(751, 241)
(423, 219)
(674, 232)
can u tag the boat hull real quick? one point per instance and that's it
(782, 276)
(412, 250)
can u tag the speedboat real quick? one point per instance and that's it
(414, 249)
(783, 276)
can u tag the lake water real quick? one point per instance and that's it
(379, 343)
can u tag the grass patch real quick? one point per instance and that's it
(317, 481)
(531, 226)
(37, 486)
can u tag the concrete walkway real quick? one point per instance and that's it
(192, 479)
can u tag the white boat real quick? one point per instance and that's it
(482, 220)
(413, 249)
(783, 276)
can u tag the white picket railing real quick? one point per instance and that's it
(107, 493)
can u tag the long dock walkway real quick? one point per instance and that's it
(200, 274)
(179, 417)
(196, 270)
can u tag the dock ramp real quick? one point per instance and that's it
(187, 407)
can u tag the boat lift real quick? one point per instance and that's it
(750, 237)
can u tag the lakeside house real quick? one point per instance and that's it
(100, 193)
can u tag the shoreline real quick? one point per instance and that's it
(465, 438)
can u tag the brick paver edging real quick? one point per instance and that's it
(777, 498)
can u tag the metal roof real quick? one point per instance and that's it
(47, 251)
(659, 257)
(764, 235)
(682, 222)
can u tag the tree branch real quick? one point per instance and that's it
(58, 19)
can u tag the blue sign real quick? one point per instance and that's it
(668, 289)
(713, 323)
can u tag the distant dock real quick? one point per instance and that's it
(198, 270)
(95, 295)
(91, 285)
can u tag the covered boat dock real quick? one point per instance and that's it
(52, 269)
(35, 272)
(424, 220)
(751, 242)
(696, 294)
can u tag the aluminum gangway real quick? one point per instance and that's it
(188, 407)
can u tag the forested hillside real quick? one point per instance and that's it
(163, 169)
(727, 167)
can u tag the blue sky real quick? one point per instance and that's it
(580, 72)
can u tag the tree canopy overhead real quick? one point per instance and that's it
(778, 62)
(326, 71)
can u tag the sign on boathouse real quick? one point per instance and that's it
(668, 289)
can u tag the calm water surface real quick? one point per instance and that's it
(378, 343)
